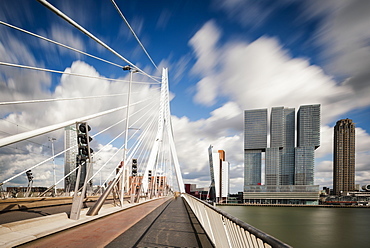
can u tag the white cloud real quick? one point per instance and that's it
(344, 35)
(204, 43)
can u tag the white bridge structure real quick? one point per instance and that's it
(142, 126)
(133, 156)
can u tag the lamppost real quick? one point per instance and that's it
(52, 151)
(132, 71)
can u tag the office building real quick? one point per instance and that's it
(219, 168)
(70, 146)
(344, 157)
(285, 164)
(308, 140)
(289, 166)
(308, 126)
(255, 142)
(280, 156)
(70, 162)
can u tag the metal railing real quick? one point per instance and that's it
(224, 230)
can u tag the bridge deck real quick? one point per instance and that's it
(167, 225)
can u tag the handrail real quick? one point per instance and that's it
(224, 230)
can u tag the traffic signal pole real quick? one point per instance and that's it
(84, 160)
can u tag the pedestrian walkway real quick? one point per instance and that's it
(169, 226)
(99, 232)
(158, 223)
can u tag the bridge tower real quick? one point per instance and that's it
(164, 126)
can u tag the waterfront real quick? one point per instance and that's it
(308, 227)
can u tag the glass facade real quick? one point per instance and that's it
(282, 138)
(272, 166)
(304, 165)
(308, 129)
(255, 129)
(70, 145)
(277, 130)
(287, 159)
(252, 167)
(308, 126)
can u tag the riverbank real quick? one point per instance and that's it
(292, 205)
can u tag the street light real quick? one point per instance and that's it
(131, 70)
(52, 151)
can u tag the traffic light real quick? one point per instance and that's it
(134, 167)
(83, 141)
(149, 176)
(29, 175)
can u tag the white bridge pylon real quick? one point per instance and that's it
(164, 126)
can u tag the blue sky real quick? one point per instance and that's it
(223, 57)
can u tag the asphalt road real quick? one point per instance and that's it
(17, 215)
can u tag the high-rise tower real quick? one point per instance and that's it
(70, 145)
(308, 126)
(219, 168)
(344, 156)
(280, 155)
(255, 142)
(308, 139)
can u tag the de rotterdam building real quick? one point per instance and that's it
(289, 159)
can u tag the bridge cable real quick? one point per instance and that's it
(60, 153)
(132, 31)
(83, 30)
(30, 134)
(58, 43)
(111, 142)
(131, 151)
(60, 99)
(69, 73)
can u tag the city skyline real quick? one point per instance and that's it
(228, 57)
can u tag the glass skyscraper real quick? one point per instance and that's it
(308, 126)
(308, 139)
(280, 157)
(255, 142)
(70, 145)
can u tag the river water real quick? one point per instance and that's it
(309, 226)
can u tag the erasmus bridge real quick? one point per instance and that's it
(138, 199)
